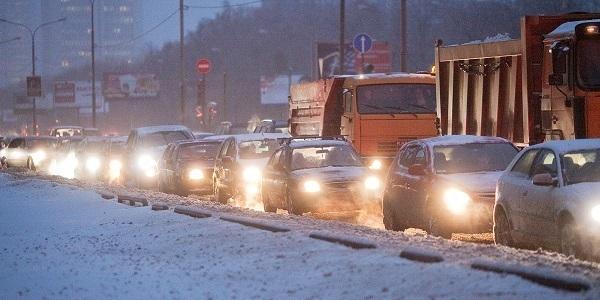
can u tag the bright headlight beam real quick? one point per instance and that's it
(376, 165)
(372, 183)
(311, 186)
(195, 174)
(596, 213)
(251, 174)
(38, 156)
(456, 200)
(92, 164)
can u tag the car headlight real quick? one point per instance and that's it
(251, 174)
(195, 174)
(376, 165)
(146, 161)
(372, 183)
(114, 168)
(38, 156)
(456, 200)
(92, 164)
(311, 186)
(596, 213)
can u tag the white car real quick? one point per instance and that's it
(550, 197)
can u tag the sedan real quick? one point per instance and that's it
(32, 152)
(445, 184)
(548, 197)
(186, 167)
(318, 175)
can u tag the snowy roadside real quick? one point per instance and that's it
(180, 256)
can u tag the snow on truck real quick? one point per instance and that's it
(543, 86)
(376, 112)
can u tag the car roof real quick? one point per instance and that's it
(316, 143)
(246, 137)
(160, 128)
(565, 146)
(198, 142)
(447, 140)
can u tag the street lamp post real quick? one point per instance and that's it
(32, 33)
(93, 69)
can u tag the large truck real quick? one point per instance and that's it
(545, 85)
(376, 112)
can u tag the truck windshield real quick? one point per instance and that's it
(588, 63)
(471, 158)
(398, 98)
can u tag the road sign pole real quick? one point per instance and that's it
(362, 62)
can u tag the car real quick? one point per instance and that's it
(445, 184)
(228, 128)
(145, 146)
(201, 135)
(186, 167)
(279, 126)
(100, 158)
(239, 164)
(318, 175)
(548, 197)
(32, 152)
(66, 131)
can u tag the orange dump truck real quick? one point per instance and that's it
(543, 86)
(377, 112)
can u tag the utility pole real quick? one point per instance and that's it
(403, 41)
(32, 32)
(93, 69)
(181, 67)
(342, 38)
(224, 96)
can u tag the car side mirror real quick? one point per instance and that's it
(417, 170)
(544, 179)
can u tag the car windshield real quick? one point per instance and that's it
(163, 138)
(581, 166)
(201, 151)
(258, 149)
(475, 157)
(319, 157)
(42, 143)
(96, 146)
(588, 63)
(396, 98)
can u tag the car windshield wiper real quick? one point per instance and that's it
(378, 108)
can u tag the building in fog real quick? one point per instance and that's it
(116, 23)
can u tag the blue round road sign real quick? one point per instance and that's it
(362, 43)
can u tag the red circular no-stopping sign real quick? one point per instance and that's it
(203, 66)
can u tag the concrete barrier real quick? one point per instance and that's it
(160, 206)
(421, 255)
(354, 243)
(106, 195)
(132, 200)
(542, 276)
(192, 212)
(255, 224)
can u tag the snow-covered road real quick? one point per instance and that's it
(64, 241)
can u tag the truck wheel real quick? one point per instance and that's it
(570, 242)
(502, 235)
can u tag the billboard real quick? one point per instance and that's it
(275, 90)
(379, 56)
(76, 94)
(126, 86)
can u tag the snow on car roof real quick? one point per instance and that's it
(570, 145)
(246, 137)
(316, 143)
(161, 128)
(461, 139)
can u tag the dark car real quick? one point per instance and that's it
(278, 126)
(187, 167)
(33, 152)
(100, 158)
(321, 175)
(445, 184)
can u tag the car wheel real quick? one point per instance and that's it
(290, 205)
(30, 164)
(436, 228)
(219, 196)
(570, 241)
(390, 222)
(267, 206)
(502, 234)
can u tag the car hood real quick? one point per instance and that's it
(479, 182)
(260, 163)
(332, 174)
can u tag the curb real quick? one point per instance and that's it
(195, 213)
(132, 200)
(160, 206)
(540, 276)
(254, 224)
(353, 243)
(421, 255)
(106, 195)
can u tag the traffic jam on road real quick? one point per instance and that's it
(498, 144)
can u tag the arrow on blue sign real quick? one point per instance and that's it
(362, 43)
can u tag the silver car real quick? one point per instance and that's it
(550, 197)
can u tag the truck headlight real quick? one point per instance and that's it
(195, 174)
(456, 200)
(311, 186)
(596, 213)
(251, 174)
(372, 183)
(376, 165)
(92, 164)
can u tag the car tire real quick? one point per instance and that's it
(570, 240)
(390, 221)
(502, 234)
(290, 205)
(219, 196)
(30, 164)
(435, 228)
(267, 206)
